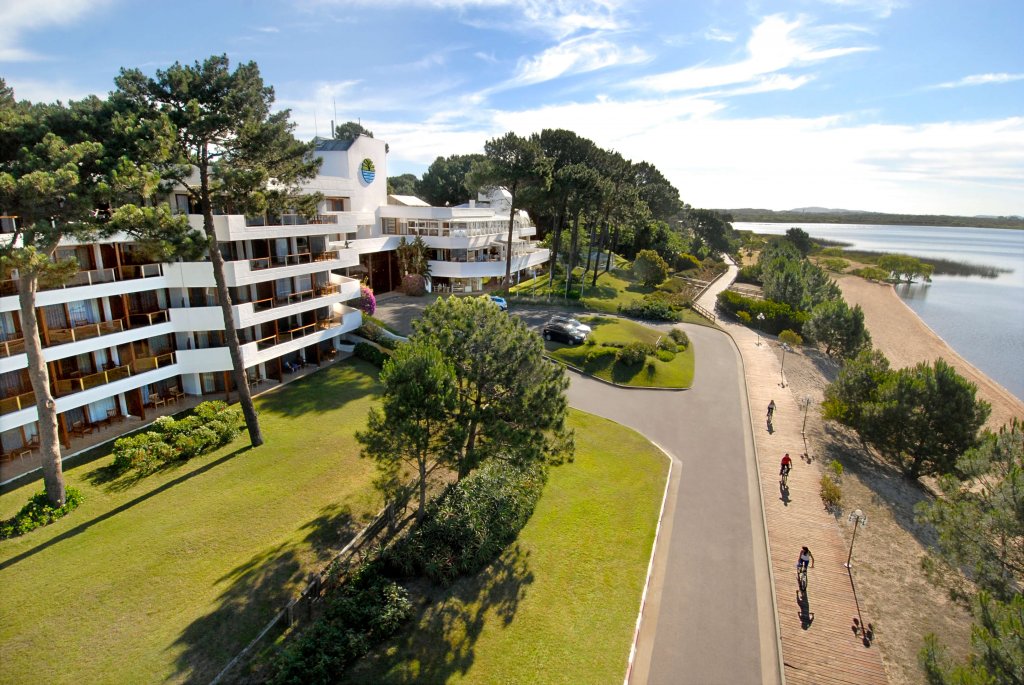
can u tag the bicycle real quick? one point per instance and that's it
(785, 476)
(801, 577)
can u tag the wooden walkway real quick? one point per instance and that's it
(819, 645)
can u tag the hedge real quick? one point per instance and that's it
(39, 512)
(777, 315)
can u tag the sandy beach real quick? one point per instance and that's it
(905, 339)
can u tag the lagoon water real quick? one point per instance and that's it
(981, 318)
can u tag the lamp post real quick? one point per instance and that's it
(857, 518)
(807, 404)
(782, 371)
(760, 317)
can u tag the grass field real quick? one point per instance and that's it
(560, 605)
(599, 359)
(167, 577)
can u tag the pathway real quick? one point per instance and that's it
(818, 642)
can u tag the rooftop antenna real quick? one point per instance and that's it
(316, 127)
(333, 136)
(335, 101)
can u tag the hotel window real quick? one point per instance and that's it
(336, 204)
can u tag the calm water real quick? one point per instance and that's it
(981, 318)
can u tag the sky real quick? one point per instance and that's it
(909, 106)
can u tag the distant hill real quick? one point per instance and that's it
(823, 215)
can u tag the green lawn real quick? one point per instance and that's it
(560, 605)
(599, 360)
(167, 577)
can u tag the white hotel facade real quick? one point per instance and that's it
(127, 336)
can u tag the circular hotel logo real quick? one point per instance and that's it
(367, 171)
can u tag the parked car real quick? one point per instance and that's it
(575, 323)
(563, 332)
(500, 301)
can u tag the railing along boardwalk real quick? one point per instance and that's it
(819, 645)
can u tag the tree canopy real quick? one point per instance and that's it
(444, 182)
(510, 401)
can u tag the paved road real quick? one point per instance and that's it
(709, 616)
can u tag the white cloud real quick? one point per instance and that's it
(268, 29)
(980, 80)
(719, 35)
(575, 56)
(880, 8)
(18, 17)
(775, 44)
(50, 91)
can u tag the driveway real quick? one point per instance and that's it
(709, 617)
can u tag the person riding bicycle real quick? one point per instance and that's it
(805, 558)
(786, 465)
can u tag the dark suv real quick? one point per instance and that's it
(563, 332)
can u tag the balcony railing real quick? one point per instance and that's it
(148, 318)
(60, 336)
(9, 405)
(9, 348)
(276, 261)
(92, 277)
(68, 386)
(291, 220)
(139, 271)
(294, 298)
(300, 332)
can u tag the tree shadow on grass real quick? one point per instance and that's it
(255, 592)
(324, 391)
(82, 527)
(441, 641)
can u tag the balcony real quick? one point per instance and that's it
(60, 336)
(148, 318)
(9, 348)
(9, 405)
(275, 261)
(68, 386)
(91, 277)
(300, 332)
(294, 298)
(292, 220)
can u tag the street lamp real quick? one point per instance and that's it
(760, 317)
(807, 404)
(782, 371)
(857, 518)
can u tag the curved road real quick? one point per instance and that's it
(709, 617)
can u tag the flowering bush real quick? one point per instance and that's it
(366, 302)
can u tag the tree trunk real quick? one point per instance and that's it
(423, 490)
(468, 456)
(230, 333)
(597, 261)
(46, 408)
(508, 253)
(555, 242)
(611, 249)
(572, 253)
(592, 235)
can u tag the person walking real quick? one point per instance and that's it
(771, 410)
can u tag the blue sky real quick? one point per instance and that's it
(888, 105)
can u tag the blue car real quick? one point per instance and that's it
(500, 301)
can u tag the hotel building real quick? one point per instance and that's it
(128, 339)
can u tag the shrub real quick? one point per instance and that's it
(686, 262)
(370, 353)
(634, 353)
(680, 336)
(835, 264)
(832, 252)
(649, 268)
(749, 274)
(143, 452)
(651, 309)
(836, 471)
(366, 302)
(39, 512)
(872, 273)
(414, 285)
(668, 344)
(777, 315)
(211, 425)
(365, 611)
(744, 317)
(470, 523)
(791, 337)
(665, 355)
(831, 494)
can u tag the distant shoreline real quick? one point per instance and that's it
(767, 216)
(905, 339)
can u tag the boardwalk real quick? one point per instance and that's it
(819, 645)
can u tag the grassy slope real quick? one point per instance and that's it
(677, 373)
(167, 578)
(560, 605)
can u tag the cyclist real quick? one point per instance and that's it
(786, 465)
(805, 558)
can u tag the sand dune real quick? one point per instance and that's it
(905, 339)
